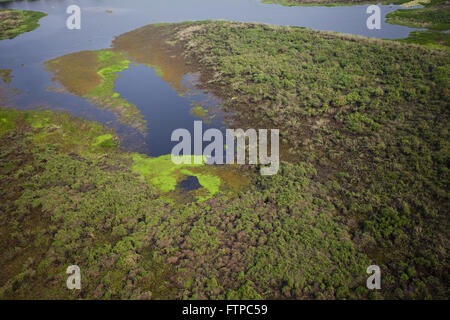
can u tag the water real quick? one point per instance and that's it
(163, 108)
(161, 105)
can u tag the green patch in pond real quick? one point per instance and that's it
(198, 111)
(5, 75)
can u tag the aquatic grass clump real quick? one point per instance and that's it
(435, 16)
(5, 75)
(199, 111)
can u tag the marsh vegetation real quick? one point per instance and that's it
(364, 177)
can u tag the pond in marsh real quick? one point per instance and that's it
(166, 101)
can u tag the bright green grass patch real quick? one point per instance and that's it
(163, 173)
(16, 22)
(7, 118)
(105, 141)
(110, 63)
(87, 138)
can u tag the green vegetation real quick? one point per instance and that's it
(364, 124)
(364, 128)
(16, 22)
(327, 3)
(370, 116)
(5, 75)
(68, 199)
(435, 16)
(92, 74)
(165, 175)
(433, 39)
(199, 111)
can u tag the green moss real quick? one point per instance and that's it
(210, 182)
(92, 75)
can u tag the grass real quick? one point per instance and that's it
(16, 22)
(199, 111)
(165, 175)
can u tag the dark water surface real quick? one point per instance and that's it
(162, 107)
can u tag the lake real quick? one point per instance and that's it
(162, 106)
